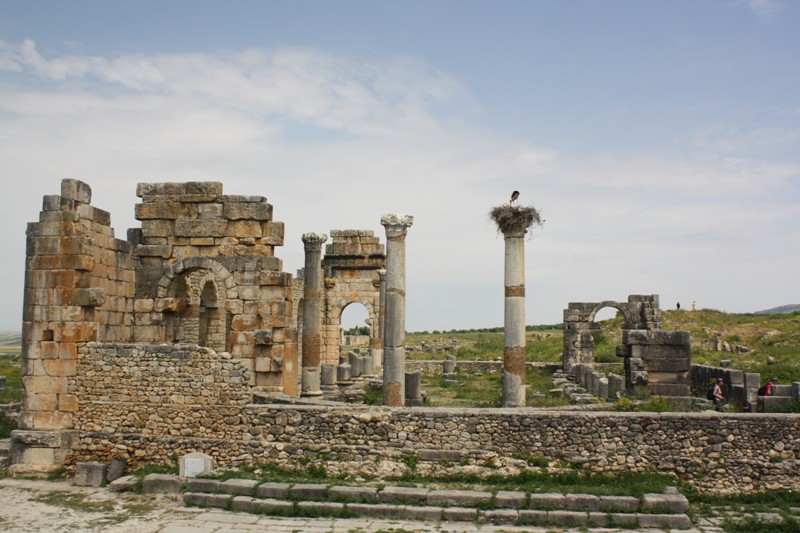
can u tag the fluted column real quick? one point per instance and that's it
(312, 313)
(394, 358)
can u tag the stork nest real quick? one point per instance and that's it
(512, 219)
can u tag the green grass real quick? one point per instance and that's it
(10, 367)
(476, 389)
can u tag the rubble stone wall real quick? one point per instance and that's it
(714, 452)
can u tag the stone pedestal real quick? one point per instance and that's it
(413, 389)
(394, 359)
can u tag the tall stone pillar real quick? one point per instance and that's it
(514, 320)
(394, 330)
(376, 343)
(312, 313)
(514, 221)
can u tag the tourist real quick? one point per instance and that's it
(719, 398)
(766, 390)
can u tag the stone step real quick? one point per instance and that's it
(5, 446)
(667, 510)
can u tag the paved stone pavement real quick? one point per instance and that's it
(228, 522)
(31, 506)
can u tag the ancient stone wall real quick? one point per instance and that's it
(200, 270)
(717, 453)
(79, 286)
(208, 275)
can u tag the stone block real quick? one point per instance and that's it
(353, 494)
(161, 484)
(583, 502)
(458, 498)
(76, 190)
(546, 500)
(322, 508)
(273, 490)
(673, 503)
(510, 499)
(427, 513)
(242, 504)
(377, 511)
(501, 516)
(270, 505)
(664, 521)
(90, 474)
(124, 484)
(532, 517)
(202, 485)
(116, 469)
(568, 518)
(459, 514)
(200, 228)
(619, 504)
(411, 495)
(220, 501)
(244, 487)
(452, 456)
(247, 210)
(309, 491)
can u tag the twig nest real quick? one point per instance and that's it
(515, 219)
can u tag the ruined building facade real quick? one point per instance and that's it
(201, 270)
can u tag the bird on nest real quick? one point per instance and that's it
(514, 196)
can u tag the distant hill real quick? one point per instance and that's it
(781, 309)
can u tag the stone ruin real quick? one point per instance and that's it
(200, 271)
(656, 361)
(153, 347)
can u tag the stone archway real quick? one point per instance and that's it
(193, 295)
(639, 312)
(351, 266)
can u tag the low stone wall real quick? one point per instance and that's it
(153, 403)
(715, 453)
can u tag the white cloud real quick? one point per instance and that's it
(336, 142)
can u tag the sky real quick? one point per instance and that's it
(659, 140)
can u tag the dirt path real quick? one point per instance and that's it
(57, 506)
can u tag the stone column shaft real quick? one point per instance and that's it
(514, 321)
(394, 325)
(376, 344)
(312, 313)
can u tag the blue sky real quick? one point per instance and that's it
(660, 140)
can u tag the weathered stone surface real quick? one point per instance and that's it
(161, 484)
(547, 500)
(675, 503)
(123, 484)
(222, 501)
(458, 498)
(309, 491)
(511, 499)
(90, 474)
(353, 494)
(411, 495)
(244, 487)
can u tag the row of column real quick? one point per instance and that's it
(392, 325)
(392, 303)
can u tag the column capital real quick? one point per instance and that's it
(396, 225)
(313, 241)
(381, 273)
